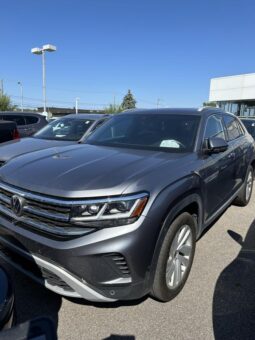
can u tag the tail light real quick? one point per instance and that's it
(15, 134)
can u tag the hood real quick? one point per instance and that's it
(90, 171)
(24, 145)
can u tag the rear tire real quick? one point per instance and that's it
(175, 258)
(244, 195)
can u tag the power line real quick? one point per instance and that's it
(113, 93)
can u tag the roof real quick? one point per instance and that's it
(65, 110)
(186, 111)
(21, 113)
(91, 116)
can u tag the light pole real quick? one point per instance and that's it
(38, 51)
(21, 93)
(76, 104)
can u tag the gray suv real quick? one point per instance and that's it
(118, 217)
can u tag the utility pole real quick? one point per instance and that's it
(77, 105)
(44, 83)
(2, 87)
(42, 51)
(21, 93)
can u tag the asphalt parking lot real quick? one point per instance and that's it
(218, 300)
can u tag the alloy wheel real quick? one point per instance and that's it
(179, 257)
(249, 184)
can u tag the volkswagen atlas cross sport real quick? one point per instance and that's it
(118, 217)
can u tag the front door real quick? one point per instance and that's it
(219, 169)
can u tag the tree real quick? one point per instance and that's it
(113, 108)
(128, 102)
(213, 104)
(5, 103)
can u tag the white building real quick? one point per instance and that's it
(235, 94)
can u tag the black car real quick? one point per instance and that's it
(67, 130)
(249, 123)
(8, 131)
(28, 123)
(118, 217)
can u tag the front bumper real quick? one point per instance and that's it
(107, 265)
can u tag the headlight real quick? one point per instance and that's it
(110, 212)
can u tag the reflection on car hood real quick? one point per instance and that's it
(88, 170)
(20, 146)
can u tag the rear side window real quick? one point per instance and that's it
(214, 128)
(233, 127)
(31, 120)
(19, 120)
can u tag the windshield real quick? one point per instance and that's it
(164, 132)
(68, 129)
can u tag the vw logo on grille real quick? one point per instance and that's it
(17, 204)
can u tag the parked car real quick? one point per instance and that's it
(8, 131)
(39, 328)
(118, 217)
(6, 301)
(28, 123)
(249, 123)
(63, 131)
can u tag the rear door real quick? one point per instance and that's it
(240, 145)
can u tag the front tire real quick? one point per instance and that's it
(175, 258)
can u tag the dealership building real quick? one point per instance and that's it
(234, 94)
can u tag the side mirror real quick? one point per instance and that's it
(216, 145)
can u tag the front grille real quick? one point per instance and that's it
(41, 213)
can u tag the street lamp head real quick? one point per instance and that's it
(36, 50)
(49, 48)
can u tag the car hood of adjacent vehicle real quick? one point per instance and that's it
(24, 145)
(84, 170)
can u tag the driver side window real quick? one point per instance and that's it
(214, 128)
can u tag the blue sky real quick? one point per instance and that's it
(167, 49)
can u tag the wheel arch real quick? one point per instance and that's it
(191, 203)
(253, 165)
